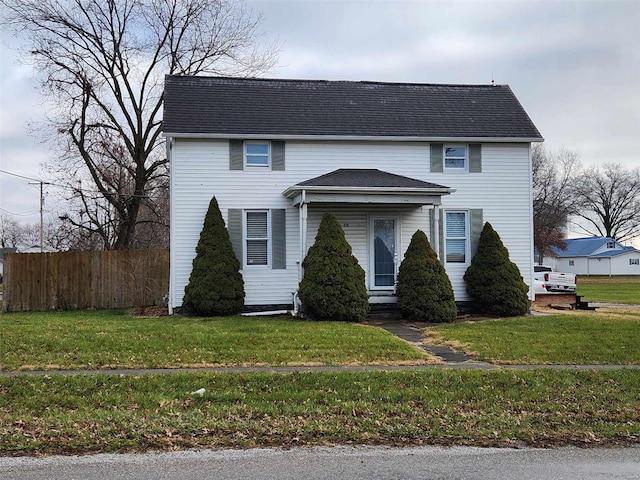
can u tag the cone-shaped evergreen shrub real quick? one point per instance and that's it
(424, 289)
(493, 281)
(215, 285)
(333, 287)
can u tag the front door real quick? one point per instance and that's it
(384, 249)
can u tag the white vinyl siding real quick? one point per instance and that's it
(200, 169)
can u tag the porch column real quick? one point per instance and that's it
(435, 241)
(302, 211)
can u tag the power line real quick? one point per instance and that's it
(75, 189)
(26, 178)
(28, 214)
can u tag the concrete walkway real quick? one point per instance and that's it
(412, 333)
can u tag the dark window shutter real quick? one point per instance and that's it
(234, 226)
(277, 155)
(475, 158)
(236, 155)
(476, 225)
(436, 157)
(278, 239)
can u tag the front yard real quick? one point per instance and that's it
(114, 339)
(113, 413)
(576, 337)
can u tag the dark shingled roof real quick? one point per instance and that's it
(366, 178)
(237, 106)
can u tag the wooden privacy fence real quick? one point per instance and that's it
(79, 280)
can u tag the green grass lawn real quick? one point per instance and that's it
(100, 413)
(572, 338)
(111, 339)
(623, 289)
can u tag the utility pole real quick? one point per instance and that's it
(41, 212)
(41, 218)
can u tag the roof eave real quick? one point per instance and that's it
(295, 189)
(379, 138)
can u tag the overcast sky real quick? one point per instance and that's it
(574, 66)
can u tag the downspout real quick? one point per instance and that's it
(436, 229)
(172, 281)
(304, 225)
(302, 213)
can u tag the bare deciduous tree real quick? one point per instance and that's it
(609, 199)
(11, 232)
(103, 64)
(554, 177)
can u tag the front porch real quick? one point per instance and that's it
(378, 211)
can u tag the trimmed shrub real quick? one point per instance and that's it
(333, 286)
(215, 285)
(493, 281)
(424, 289)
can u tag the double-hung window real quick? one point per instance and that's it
(257, 154)
(257, 237)
(455, 158)
(456, 236)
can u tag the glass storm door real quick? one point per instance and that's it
(383, 236)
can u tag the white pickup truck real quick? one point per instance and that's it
(555, 281)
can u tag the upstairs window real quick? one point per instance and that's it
(257, 237)
(455, 158)
(611, 244)
(257, 154)
(456, 237)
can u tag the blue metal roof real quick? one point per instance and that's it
(615, 253)
(585, 247)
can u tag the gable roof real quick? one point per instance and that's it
(585, 247)
(221, 106)
(367, 178)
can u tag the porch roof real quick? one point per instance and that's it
(350, 185)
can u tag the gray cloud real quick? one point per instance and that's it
(574, 65)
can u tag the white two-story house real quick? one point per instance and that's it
(386, 158)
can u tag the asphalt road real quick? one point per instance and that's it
(376, 463)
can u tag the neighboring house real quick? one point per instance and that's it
(595, 256)
(385, 158)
